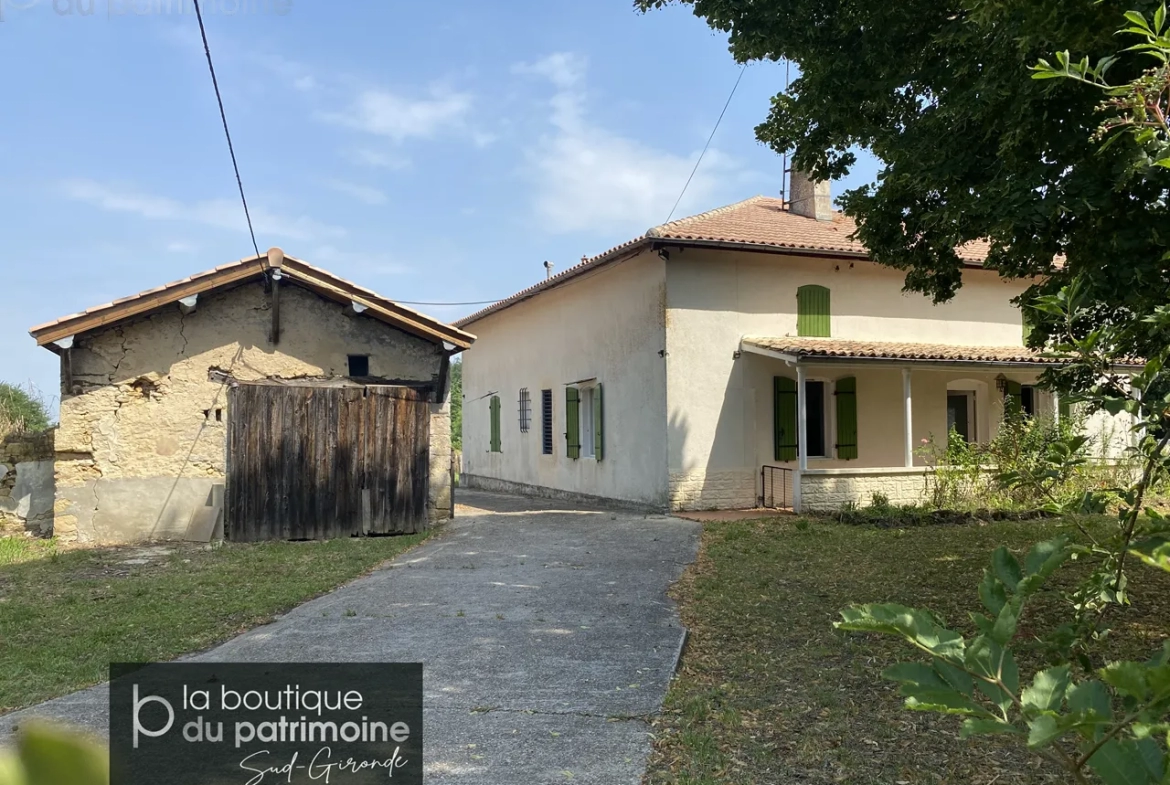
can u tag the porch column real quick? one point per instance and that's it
(801, 422)
(908, 417)
(1056, 407)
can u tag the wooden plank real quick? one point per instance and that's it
(117, 312)
(314, 462)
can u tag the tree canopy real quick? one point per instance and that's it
(972, 147)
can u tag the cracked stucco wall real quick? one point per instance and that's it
(141, 441)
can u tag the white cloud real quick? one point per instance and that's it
(218, 213)
(378, 159)
(563, 69)
(180, 246)
(363, 193)
(382, 113)
(591, 178)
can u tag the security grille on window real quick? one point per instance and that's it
(525, 410)
(546, 422)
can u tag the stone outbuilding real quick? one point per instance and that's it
(147, 440)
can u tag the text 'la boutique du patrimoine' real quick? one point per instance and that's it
(283, 729)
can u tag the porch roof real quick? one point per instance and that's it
(797, 350)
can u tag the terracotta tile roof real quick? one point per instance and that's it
(302, 272)
(761, 222)
(766, 221)
(883, 350)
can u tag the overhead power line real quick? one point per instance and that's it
(226, 132)
(709, 138)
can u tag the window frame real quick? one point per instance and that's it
(585, 425)
(828, 419)
(547, 422)
(525, 405)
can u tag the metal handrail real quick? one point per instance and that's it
(773, 479)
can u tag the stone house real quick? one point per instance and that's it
(753, 354)
(142, 448)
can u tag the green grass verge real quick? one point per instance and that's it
(770, 692)
(65, 615)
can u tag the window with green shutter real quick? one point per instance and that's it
(846, 392)
(598, 424)
(784, 431)
(494, 408)
(1026, 323)
(812, 312)
(572, 423)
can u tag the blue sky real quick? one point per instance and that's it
(429, 151)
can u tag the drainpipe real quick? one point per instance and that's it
(275, 262)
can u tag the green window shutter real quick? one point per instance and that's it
(1064, 408)
(846, 392)
(598, 424)
(572, 422)
(495, 414)
(812, 312)
(1013, 399)
(1026, 323)
(784, 418)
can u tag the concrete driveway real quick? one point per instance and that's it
(545, 631)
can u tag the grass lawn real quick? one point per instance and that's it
(769, 692)
(66, 614)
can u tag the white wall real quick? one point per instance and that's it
(607, 324)
(720, 408)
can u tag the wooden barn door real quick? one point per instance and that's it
(310, 463)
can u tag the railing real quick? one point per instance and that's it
(775, 487)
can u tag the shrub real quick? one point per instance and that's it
(22, 409)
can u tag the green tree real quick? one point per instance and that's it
(971, 149)
(22, 408)
(457, 404)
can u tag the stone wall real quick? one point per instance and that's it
(829, 490)
(713, 490)
(440, 503)
(27, 483)
(142, 439)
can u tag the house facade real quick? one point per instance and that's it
(750, 355)
(142, 446)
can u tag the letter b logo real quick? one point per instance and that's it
(138, 727)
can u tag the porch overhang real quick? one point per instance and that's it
(820, 351)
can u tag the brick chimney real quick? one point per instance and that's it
(808, 198)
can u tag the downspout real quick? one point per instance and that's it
(275, 262)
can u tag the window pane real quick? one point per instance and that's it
(814, 401)
(586, 420)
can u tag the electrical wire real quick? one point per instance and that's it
(226, 132)
(709, 138)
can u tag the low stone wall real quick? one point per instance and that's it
(827, 490)
(713, 490)
(27, 486)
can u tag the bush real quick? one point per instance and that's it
(1033, 463)
(22, 409)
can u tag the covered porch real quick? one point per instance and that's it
(850, 419)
